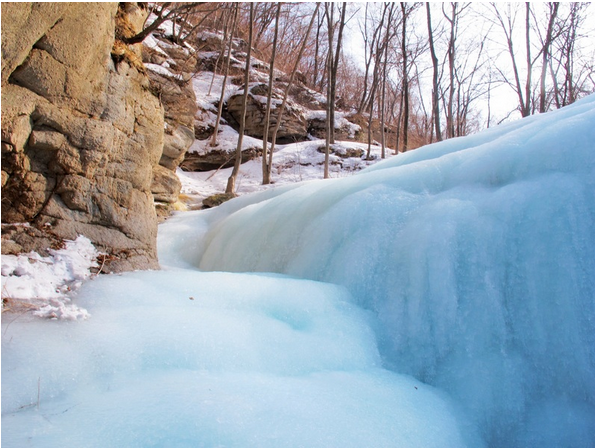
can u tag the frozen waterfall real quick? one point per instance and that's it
(476, 254)
(443, 298)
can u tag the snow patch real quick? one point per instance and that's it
(44, 284)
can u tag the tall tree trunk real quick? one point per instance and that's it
(383, 102)
(405, 79)
(266, 172)
(517, 78)
(334, 72)
(288, 87)
(367, 61)
(382, 105)
(376, 54)
(316, 51)
(231, 182)
(330, 9)
(546, 54)
(435, 103)
(450, 127)
(399, 120)
(371, 110)
(227, 63)
(527, 106)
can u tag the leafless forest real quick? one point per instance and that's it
(414, 73)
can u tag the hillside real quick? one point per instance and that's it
(299, 151)
(94, 133)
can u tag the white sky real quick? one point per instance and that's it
(503, 98)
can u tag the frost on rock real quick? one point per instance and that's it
(43, 284)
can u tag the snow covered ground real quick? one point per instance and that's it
(292, 163)
(444, 297)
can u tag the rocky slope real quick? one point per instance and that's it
(93, 130)
(170, 68)
(302, 120)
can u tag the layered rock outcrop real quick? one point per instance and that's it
(170, 68)
(293, 127)
(81, 131)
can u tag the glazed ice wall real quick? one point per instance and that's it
(478, 256)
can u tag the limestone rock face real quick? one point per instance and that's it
(80, 133)
(170, 69)
(294, 126)
(344, 129)
(166, 185)
(217, 159)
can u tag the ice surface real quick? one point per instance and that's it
(180, 358)
(478, 256)
(457, 310)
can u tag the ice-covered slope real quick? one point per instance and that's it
(188, 359)
(477, 254)
(473, 262)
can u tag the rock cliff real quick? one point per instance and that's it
(170, 68)
(82, 130)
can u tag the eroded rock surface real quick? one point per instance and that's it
(80, 131)
(293, 127)
(170, 68)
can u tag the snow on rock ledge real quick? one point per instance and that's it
(43, 284)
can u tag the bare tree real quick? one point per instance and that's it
(266, 172)
(405, 74)
(526, 111)
(367, 58)
(231, 182)
(546, 44)
(288, 87)
(227, 19)
(376, 50)
(333, 55)
(374, 26)
(265, 14)
(320, 20)
(165, 11)
(435, 87)
(333, 74)
(189, 21)
(453, 18)
(406, 10)
(507, 23)
(575, 78)
(225, 76)
(330, 9)
(388, 35)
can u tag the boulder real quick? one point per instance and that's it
(217, 159)
(175, 144)
(344, 129)
(294, 126)
(166, 185)
(216, 200)
(345, 152)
